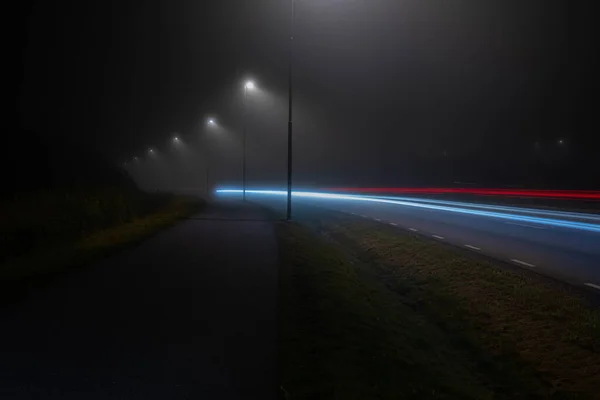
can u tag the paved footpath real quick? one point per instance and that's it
(189, 313)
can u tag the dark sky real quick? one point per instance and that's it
(388, 91)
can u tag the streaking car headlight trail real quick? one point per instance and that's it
(550, 213)
(547, 194)
(507, 215)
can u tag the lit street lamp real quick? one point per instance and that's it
(211, 123)
(249, 85)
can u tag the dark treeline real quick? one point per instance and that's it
(33, 162)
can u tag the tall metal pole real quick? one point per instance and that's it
(244, 142)
(289, 149)
(207, 165)
(207, 181)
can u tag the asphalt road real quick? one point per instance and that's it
(189, 313)
(567, 253)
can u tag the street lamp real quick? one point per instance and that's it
(211, 123)
(249, 85)
(289, 147)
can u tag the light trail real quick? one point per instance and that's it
(536, 211)
(556, 194)
(358, 198)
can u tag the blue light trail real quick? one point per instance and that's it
(443, 206)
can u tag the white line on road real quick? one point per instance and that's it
(413, 229)
(377, 219)
(472, 247)
(592, 285)
(526, 226)
(438, 237)
(521, 262)
(392, 223)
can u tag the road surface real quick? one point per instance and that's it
(189, 313)
(565, 246)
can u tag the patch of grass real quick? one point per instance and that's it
(545, 331)
(347, 334)
(19, 274)
(31, 222)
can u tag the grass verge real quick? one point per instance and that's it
(20, 274)
(370, 312)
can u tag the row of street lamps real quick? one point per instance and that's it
(211, 122)
(249, 85)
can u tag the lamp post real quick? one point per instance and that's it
(289, 141)
(211, 123)
(207, 174)
(249, 85)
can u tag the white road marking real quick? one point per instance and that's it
(521, 262)
(377, 219)
(526, 226)
(364, 216)
(592, 285)
(413, 229)
(392, 223)
(438, 237)
(472, 247)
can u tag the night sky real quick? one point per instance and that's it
(388, 92)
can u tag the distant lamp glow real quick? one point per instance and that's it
(211, 121)
(176, 139)
(560, 141)
(151, 151)
(249, 85)
(135, 158)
